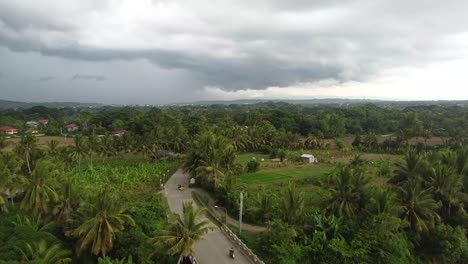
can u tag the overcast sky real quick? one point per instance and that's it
(152, 52)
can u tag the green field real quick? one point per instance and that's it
(308, 174)
(312, 172)
(244, 158)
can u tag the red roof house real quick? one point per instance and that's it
(119, 132)
(71, 127)
(43, 121)
(8, 130)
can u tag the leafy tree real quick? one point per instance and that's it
(332, 125)
(184, 231)
(383, 241)
(444, 244)
(279, 245)
(357, 141)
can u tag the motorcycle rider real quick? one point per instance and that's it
(231, 252)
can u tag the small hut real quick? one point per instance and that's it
(308, 158)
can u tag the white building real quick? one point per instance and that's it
(308, 158)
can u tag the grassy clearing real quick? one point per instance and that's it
(300, 172)
(308, 176)
(41, 141)
(244, 158)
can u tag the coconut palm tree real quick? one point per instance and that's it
(25, 148)
(99, 221)
(213, 172)
(67, 202)
(39, 191)
(10, 181)
(53, 145)
(264, 205)
(211, 157)
(93, 144)
(184, 231)
(79, 150)
(384, 201)
(410, 168)
(419, 208)
(292, 205)
(447, 186)
(40, 252)
(347, 191)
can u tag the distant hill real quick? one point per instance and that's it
(336, 101)
(4, 104)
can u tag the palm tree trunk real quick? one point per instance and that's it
(180, 258)
(27, 162)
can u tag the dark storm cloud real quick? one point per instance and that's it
(87, 77)
(246, 44)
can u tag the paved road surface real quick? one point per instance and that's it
(214, 249)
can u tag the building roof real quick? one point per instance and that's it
(43, 121)
(71, 126)
(118, 132)
(307, 156)
(7, 128)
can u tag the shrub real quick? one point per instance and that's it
(252, 166)
(273, 153)
(281, 155)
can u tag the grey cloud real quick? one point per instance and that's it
(275, 43)
(87, 77)
(45, 78)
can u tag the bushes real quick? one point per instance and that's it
(278, 153)
(252, 166)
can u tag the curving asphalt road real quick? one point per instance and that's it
(214, 249)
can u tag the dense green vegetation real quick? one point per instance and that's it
(106, 209)
(94, 198)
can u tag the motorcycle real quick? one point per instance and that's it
(231, 254)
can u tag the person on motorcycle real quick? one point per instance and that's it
(231, 252)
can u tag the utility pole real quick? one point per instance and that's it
(240, 211)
